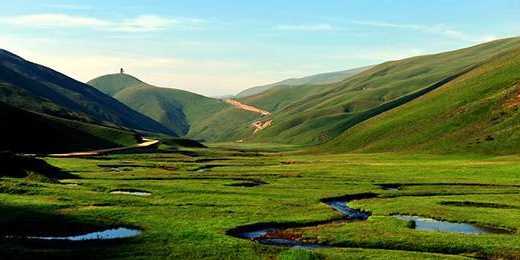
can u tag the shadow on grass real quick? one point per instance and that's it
(18, 222)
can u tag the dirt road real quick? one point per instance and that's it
(241, 106)
(146, 143)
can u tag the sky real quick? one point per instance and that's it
(220, 47)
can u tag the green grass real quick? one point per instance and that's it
(189, 211)
(322, 115)
(477, 112)
(316, 114)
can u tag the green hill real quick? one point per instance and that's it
(317, 114)
(33, 87)
(28, 132)
(179, 110)
(318, 79)
(477, 112)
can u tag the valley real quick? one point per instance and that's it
(408, 158)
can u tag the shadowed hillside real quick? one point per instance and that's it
(27, 132)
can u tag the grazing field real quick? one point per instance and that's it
(199, 194)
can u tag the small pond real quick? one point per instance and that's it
(422, 223)
(131, 192)
(108, 234)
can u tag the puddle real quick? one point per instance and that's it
(421, 223)
(131, 192)
(247, 184)
(391, 187)
(108, 234)
(70, 184)
(206, 167)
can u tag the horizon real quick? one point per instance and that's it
(223, 48)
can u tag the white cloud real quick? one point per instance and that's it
(54, 20)
(145, 23)
(439, 29)
(304, 27)
(67, 6)
(142, 23)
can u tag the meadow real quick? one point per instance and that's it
(199, 194)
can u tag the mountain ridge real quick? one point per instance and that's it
(37, 88)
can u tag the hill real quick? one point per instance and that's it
(33, 87)
(181, 111)
(318, 79)
(477, 112)
(28, 132)
(317, 114)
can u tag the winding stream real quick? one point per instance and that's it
(270, 233)
(275, 233)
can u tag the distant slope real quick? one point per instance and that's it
(26, 132)
(322, 114)
(176, 109)
(316, 114)
(318, 79)
(478, 112)
(33, 87)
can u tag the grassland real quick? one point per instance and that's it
(194, 203)
(477, 112)
(316, 114)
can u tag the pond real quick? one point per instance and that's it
(422, 223)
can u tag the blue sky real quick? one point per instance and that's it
(223, 46)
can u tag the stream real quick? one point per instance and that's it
(274, 233)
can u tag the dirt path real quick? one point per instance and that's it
(258, 125)
(241, 106)
(146, 143)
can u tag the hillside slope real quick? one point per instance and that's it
(33, 87)
(179, 110)
(26, 132)
(314, 115)
(318, 79)
(478, 112)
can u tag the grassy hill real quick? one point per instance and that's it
(181, 111)
(317, 114)
(33, 87)
(318, 79)
(477, 112)
(28, 132)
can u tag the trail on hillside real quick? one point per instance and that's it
(241, 106)
(257, 125)
(146, 143)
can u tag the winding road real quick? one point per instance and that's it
(146, 143)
